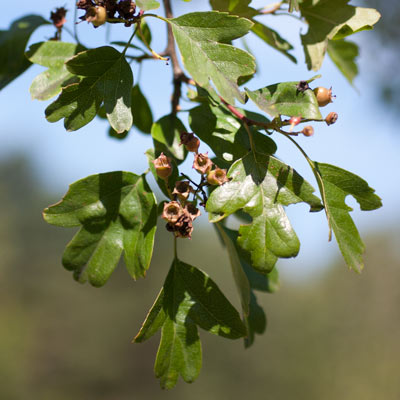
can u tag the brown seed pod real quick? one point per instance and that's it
(323, 95)
(182, 190)
(172, 212)
(331, 118)
(191, 142)
(202, 163)
(96, 15)
(308, 130)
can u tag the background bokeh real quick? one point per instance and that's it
(331, 333)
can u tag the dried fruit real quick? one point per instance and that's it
(172, 211)
(192, 210)
(323, 95)
(331, 118)
(217, 177)
(182, 190)
(163, 166)
(58, 17)
(190, 141)
(202, 163)
(308, 130)
(96, 15)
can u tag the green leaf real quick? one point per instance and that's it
(331, 19)
(261, 185)
(147, 5)
(141, 111)
(146, 33)
(343, 53)
(285, 99)
(107, 78)
(202, 38)
(338, 184)
(225, 135)
(161, 182)
(189, 299)
(240, 8)
(52, 55)
(12, 47)
(273, 39)
(166, 137)
(116, 212)
(253, 315)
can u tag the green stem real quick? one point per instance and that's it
(130, 39)
(175, 248)
(156, 55)
(317, 175)
(156, 16)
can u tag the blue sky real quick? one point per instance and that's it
(364, 140)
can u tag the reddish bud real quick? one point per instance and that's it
(331, 118)
(163, 166)
(202, 163)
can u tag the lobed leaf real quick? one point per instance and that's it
(189, 298)
(285, 99)
(261, 185)
(338, 184)
(116, 212)
(107, 77)
(12, 47)
(52, 55)
(331, 19)
(202, 39)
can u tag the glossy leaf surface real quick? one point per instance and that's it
(189, 299)
(225, 134)
(117, 213)
(331, 19)
(166, 137)
(12, 47)
(261, 185)
(107, 78)
(338, 184)
(202, 39)
(53, 55)
(285, 99)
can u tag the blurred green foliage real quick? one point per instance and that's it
(336, 337)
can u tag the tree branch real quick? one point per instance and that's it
(178, 74)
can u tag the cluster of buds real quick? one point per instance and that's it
(99, 11)
(204, 166)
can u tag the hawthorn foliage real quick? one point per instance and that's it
(117, 212)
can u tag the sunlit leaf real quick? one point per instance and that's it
(338, 184)
(107, 77)
(344, 53)
(202, 39)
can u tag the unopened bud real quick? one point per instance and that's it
(163, 166)
(182, 190)
(331, 118)
(217, 177)
(293, 122)
(190, 141)
(308, 130)
(202, 163)
(172, 211)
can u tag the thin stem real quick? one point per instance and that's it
(251, 139)
(130, 39)
(317, 175)
(156, 55)
(175, 248)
